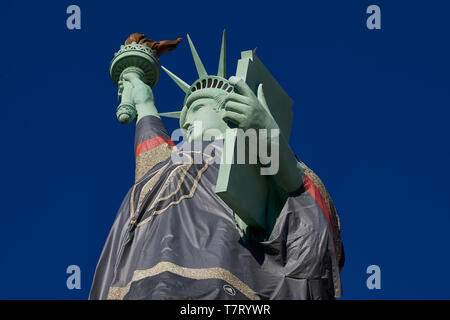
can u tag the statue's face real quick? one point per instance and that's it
(204, 120)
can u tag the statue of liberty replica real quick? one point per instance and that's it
(215, 217)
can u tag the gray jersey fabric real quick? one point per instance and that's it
(174, 238)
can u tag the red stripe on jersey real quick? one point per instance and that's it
(152, 143)
(312, 189)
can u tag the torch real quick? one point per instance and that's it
(138, 55)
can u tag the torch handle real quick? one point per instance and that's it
(126, 111)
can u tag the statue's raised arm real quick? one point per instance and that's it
(135, 70)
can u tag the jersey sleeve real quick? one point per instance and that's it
(152, 145)
(315, 187)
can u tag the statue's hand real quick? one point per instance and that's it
(133, 90)
(246, 110)
(137, 91)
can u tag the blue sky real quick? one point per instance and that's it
(371, 118)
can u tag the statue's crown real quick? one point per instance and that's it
(204, 81)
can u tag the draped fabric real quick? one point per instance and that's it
(174, 238)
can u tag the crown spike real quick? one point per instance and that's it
(183, 85)
(175, 114)
(198, 63)
(222, 70)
